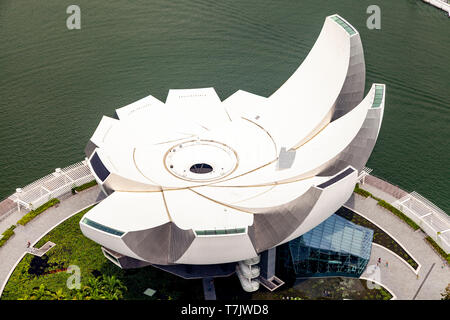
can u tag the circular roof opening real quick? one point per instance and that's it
(200, 160)
(201, 168)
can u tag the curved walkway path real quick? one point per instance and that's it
(433, 274)
(16, 247)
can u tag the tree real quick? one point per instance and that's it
(58, 295)
(101, 288)
(446, 294)
(42, 293)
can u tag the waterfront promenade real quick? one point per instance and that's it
(398, 276)
(433, 273)
(405, 283)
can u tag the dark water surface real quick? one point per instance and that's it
(55, 84)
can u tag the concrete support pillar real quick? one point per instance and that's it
(267, 263)
(209, 289)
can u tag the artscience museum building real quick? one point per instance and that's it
(195, 185)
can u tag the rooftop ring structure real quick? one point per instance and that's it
(196, 180)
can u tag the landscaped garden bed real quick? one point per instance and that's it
(8, 233)
(438, 249)
(379, 236)
(34, 213)
(332, 288)
(84, 186)
(42, 278)
(329, 288)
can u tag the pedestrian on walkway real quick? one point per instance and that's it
(386, 264)
(379, 260)
(28, 244)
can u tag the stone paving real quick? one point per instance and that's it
(398, 277)
(16, 247)
(11, 219)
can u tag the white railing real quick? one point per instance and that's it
(52, 186)
(363, 173)
(434, 221)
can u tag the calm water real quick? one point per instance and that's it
(55, 84)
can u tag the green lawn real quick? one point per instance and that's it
(72, 248)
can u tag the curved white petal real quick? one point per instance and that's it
(234, 178)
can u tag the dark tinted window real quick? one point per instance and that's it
(99, 167)
(201, 168)
(336, 178)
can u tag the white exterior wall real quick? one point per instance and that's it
(218, 249)
(109, 241)
(331, 199)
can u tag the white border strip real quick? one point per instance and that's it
(394, 297)
(401, 259)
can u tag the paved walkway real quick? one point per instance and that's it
(398, 277)
(16, 247)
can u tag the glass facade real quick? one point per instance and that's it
(219, 232)
(378, 96)
(336, 247)
(344, 25)
(103, 228)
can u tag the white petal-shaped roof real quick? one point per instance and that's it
(201, 164)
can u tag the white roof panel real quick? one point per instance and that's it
(130, 211)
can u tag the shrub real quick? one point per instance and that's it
(34, 213)
(42, 293)
(8, 233)
(362, 192)
(84, 186)
(446, 294)
(438, 249)
(387, 206)
(398, 213)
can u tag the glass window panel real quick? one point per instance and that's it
(101, 227)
